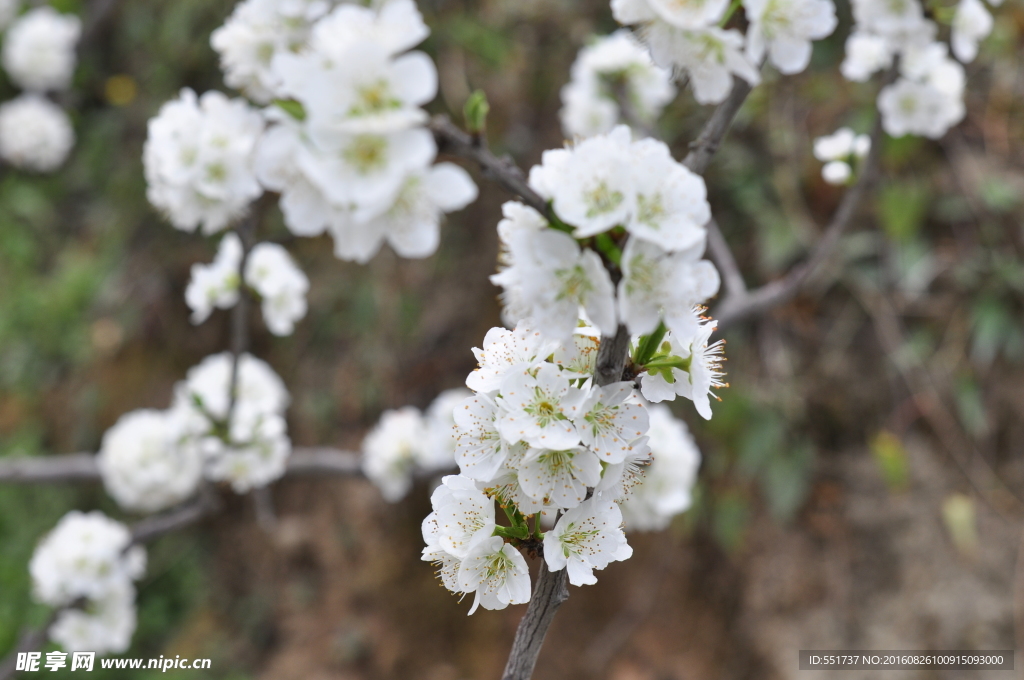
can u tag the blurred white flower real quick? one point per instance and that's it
(391, 451)
(105, 626)
(35, 134)
(147, 463)
(198, 160)
(39, 49)
(786, 28)
(281, 285)
(971, 24)
(709, 56)
(215, 284)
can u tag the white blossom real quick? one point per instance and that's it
(412, 224)
(480, 450)
(280, 284)
(35, 134)
(105, 625)
(391, 450)
(671, 201)
(786, 28)
(695, 380)
(505, 352)
(666, 487)
(609, 422)
(559, 477)
(678, 13)
(836, 172)
(439, 420)
(496, 572)
(659, 286)
(255, 32)
(866, 54)
(971, 24)
(463, 514)
(39, 49)
(255, 454)
(708, 56)
(259, 392)
(147, 462)
(85, 555)
(540, 408)
(603, 68)
(586, 538)
(591, 184)
(918, 108)
(215, 285)
(552, 278)
(198, 160)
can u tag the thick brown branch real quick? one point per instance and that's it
(82, 467)
(737, 307)
(451, 140)
(551, 591)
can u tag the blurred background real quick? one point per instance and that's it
(863, 477)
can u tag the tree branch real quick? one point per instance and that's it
(732, 279)
(703, 149)
(82, 467)
(451, 140)
(737, 307)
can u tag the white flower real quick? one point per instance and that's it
(479, 448)
(104, 626)
(659, 286)
(446, 563)
(39, 49)
(552, 278)
(619, 479)
(786, 28)
(391, 450)
(85, 555)
(586, 538)
(709, 56)
(463, 514)
(505, 352)
(837, 146)
(412, 224)
(579, 356)
(889, 18)
(590, 185)
(689, 13)
(258, 391)
(198, 160)
(589, 100)
(671, 201)
(916, 108)
(35, 134)
(396, 25)
(971, 24)
(609, 422)
(836, 172)
(496, 572)
(359, 90)
(440, 443)
(256, 454)
(559, 477)
(281, 285)
(255, 32)
(866, 54)
(216, 284)
(146, 462)
(539, 408)
(695, 380)
(518, 219)
(667, 484)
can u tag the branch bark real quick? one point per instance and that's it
(82, 467)
(502, 170)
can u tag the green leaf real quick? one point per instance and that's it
(475, 111)
(292, 108)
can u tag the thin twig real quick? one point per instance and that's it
(82, 467)
(732, 279)
(736, 307)
(451, 140)
(703, 149)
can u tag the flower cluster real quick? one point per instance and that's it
(242, 435)
(348, 152)
(87, 563)
(151, 460)
(270, 273)
(605, 190)
(927, 98)
(610, 69)
(687, 37)
(198, 160)
(39, 56)
(837, 151)
(406, 442)
(540, 437)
